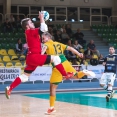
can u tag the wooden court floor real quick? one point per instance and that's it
(33, 106)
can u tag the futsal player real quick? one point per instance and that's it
(108, 77)
(34, 57)
(56, 48)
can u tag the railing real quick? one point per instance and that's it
(2, 16)
(98, 16)
(111, 18)
(16, 14)
(29, 15)
(109, 22)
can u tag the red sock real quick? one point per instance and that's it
(15, 83)
(61, 69)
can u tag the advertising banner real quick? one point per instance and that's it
(9, 74)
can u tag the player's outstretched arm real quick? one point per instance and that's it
(75, 51)
(43, 26)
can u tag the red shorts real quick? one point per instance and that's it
(34, 60)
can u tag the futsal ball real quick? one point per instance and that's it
(46, 15)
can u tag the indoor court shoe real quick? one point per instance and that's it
(69, 75)
(112, 94)
(50, 111)
(89, 73)
(7, 92)
(107, 98)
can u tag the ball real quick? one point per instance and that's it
(46, 15)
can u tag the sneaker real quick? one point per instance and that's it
(50, 111)
(69, 75)
(7, 92)
(89, 73)
(112, 93)
(108, 98)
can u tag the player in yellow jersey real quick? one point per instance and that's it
(56, 48)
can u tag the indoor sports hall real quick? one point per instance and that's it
(88, 26)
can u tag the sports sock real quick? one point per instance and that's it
(109, 90)
(52, 101)
(61, 69)
(80, 74)
(105, 87)
(16, 82)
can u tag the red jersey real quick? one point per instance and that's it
(33, 41)
(34, 57)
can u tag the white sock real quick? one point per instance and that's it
(51, 107)
(105, 87)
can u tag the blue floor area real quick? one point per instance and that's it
(82, 98)
(45, 86)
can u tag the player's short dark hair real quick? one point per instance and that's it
(112, 47)
(47, 34)
(24, 22)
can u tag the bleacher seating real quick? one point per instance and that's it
(8, 56)
(107, 33)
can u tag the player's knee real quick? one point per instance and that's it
(56, 60)
(23, 78)
(110, 85)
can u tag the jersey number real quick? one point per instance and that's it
(57, 49)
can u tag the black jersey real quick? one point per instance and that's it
(111, 63)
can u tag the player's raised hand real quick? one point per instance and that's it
(41, 16)
(80, 55)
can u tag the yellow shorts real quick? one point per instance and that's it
(56, 76)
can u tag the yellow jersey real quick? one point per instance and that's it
(55, 48)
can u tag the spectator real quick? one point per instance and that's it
(58, 36)
(88, 54)
(91, 49)
(12, 20)
(79, 36)
(25, 49)
(19, 46)
(7, 27)
(18, 22)
(62, 28)
(77, 46)
(65, 37)
(49, 24)
(74, 62)
(52, 34)
(69, 30)
(69, 55)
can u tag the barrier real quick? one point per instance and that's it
(41, 73)
(98, 16)
(21, 15)
(111, 19)
(9, 74)
(98, 70)
(44, 73)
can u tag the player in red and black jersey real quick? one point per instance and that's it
(34, 57)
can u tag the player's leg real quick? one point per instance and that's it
(57, 62)
(56, 78)
(18, 80)
(68, 67)
(104, 84)
(103, 81)
(52, 100)
(83, 73)
(111, 78)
